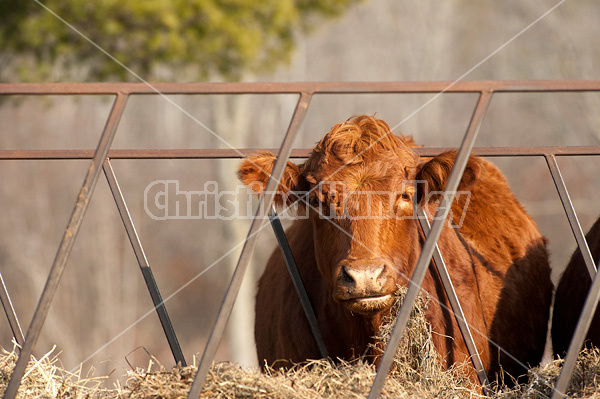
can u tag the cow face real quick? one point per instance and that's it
(361, 234)
(358, 188)
(358, 195)
(360, 191)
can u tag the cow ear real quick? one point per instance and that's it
(432, 175)
(254, 172)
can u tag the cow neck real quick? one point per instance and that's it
(473, 254)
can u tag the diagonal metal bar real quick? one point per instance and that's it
(591, 302)
(565, 199)
(455, 303)
(138, 250)
(238, 275)
(426, 253)
(13, 321)
(297, 281)
(66, 244)
(583, 325)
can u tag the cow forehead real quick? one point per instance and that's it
(374, 174)
(361, 154)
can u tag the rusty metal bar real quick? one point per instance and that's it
(290, 262)
(68, 239)
(204, 153)
(208, 153)
(13, 321)
(455, 303)
(591, 302)
(427, 251)
(583, 325)
(138, 250)
(264, 203)
(107, 88)
(565, 199)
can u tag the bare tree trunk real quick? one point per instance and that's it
(231, 121)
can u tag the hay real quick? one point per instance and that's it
(585, 381)
(46, 378)
(416, 358)
(315, 379)
(416, 373)
(417, 365)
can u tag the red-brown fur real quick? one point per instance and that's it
(497, 259)
(571, 293)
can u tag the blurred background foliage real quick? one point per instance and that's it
(158, 39)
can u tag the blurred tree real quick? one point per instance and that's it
(173, 39)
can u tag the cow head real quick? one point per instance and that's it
(358, 188)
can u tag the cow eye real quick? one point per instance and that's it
(405, 196)
(314, 201)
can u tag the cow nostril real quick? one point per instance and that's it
(364, 279)
(345, 276)
(380, 273)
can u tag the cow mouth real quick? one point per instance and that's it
(369, 305)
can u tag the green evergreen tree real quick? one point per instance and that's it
(191, 39)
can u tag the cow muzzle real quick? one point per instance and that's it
(365, 286)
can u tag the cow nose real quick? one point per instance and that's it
(362, 280)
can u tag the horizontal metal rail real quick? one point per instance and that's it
(239, 153)
(503, 86)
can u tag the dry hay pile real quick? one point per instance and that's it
(45, 378)
(585, 382)
(416, 372)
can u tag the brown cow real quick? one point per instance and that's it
(351, 265)
(571, 293)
